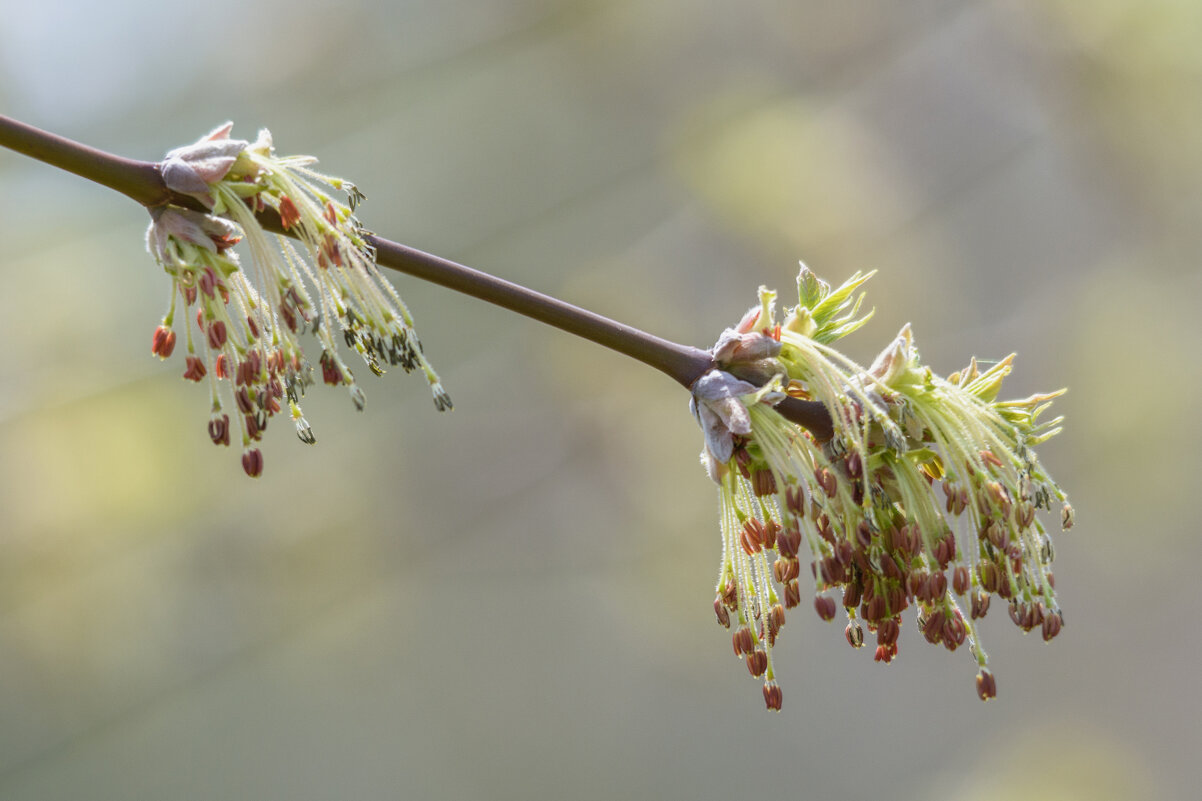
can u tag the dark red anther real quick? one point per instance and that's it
(792, 594)
(954, 632)
(220, 367)
(825, 607)
(855, 465)
(844, 552)
(989, 576)
(889, 568)
(916, 584)
(289, 214)
(980, 605)
(216, 334)
(207, 281)
(776, 620)
(945, 551)
(242, 397)
(986, 685)
(772, 696)
(933, 628)
(757, 662)
(960, 580)
(742, 641)
(225, 241)
(863, 534)
(851, 594)
(752, 536)
(1051, 626)
(1024, 514)
(730, 594)
(329, 370)
(289, 317)
(763, 482)
(826, 480)
(194, 369)
(163, 342)
(252, 462)
(788, 541)
(219, 430)
(328, 213)
(253, 429)
(722, 613)
(885, 653)
(189, 295)
(786, 568)
(887, 632)
(772, 530)
(795, 500)
(331, 251)
(937, 586)
(252, 326)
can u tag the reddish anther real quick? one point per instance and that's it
(289, 214)
(742, 641)
(163, 342)
(772, 696)
(986, 685)
(825, 607)
(216, 335)
(252, 462)
(722, 613)
(960, 579)
(887, 632)
(752, 536)
(194, 369)
(219, 430)
(792, 594)
(207, 282)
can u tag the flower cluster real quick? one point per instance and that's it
(246, 341)
(925, 496)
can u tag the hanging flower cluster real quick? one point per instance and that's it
(926, 495)
(246, 341)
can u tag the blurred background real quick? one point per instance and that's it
(513, 600)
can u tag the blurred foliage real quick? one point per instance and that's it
(513, 601)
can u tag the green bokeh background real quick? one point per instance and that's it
(512, 601)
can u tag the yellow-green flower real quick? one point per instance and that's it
(926, 495)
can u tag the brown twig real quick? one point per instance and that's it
(141, 181)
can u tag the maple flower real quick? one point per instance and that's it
(250, 321)
(926, 495)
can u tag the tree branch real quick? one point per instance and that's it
(141, 181)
